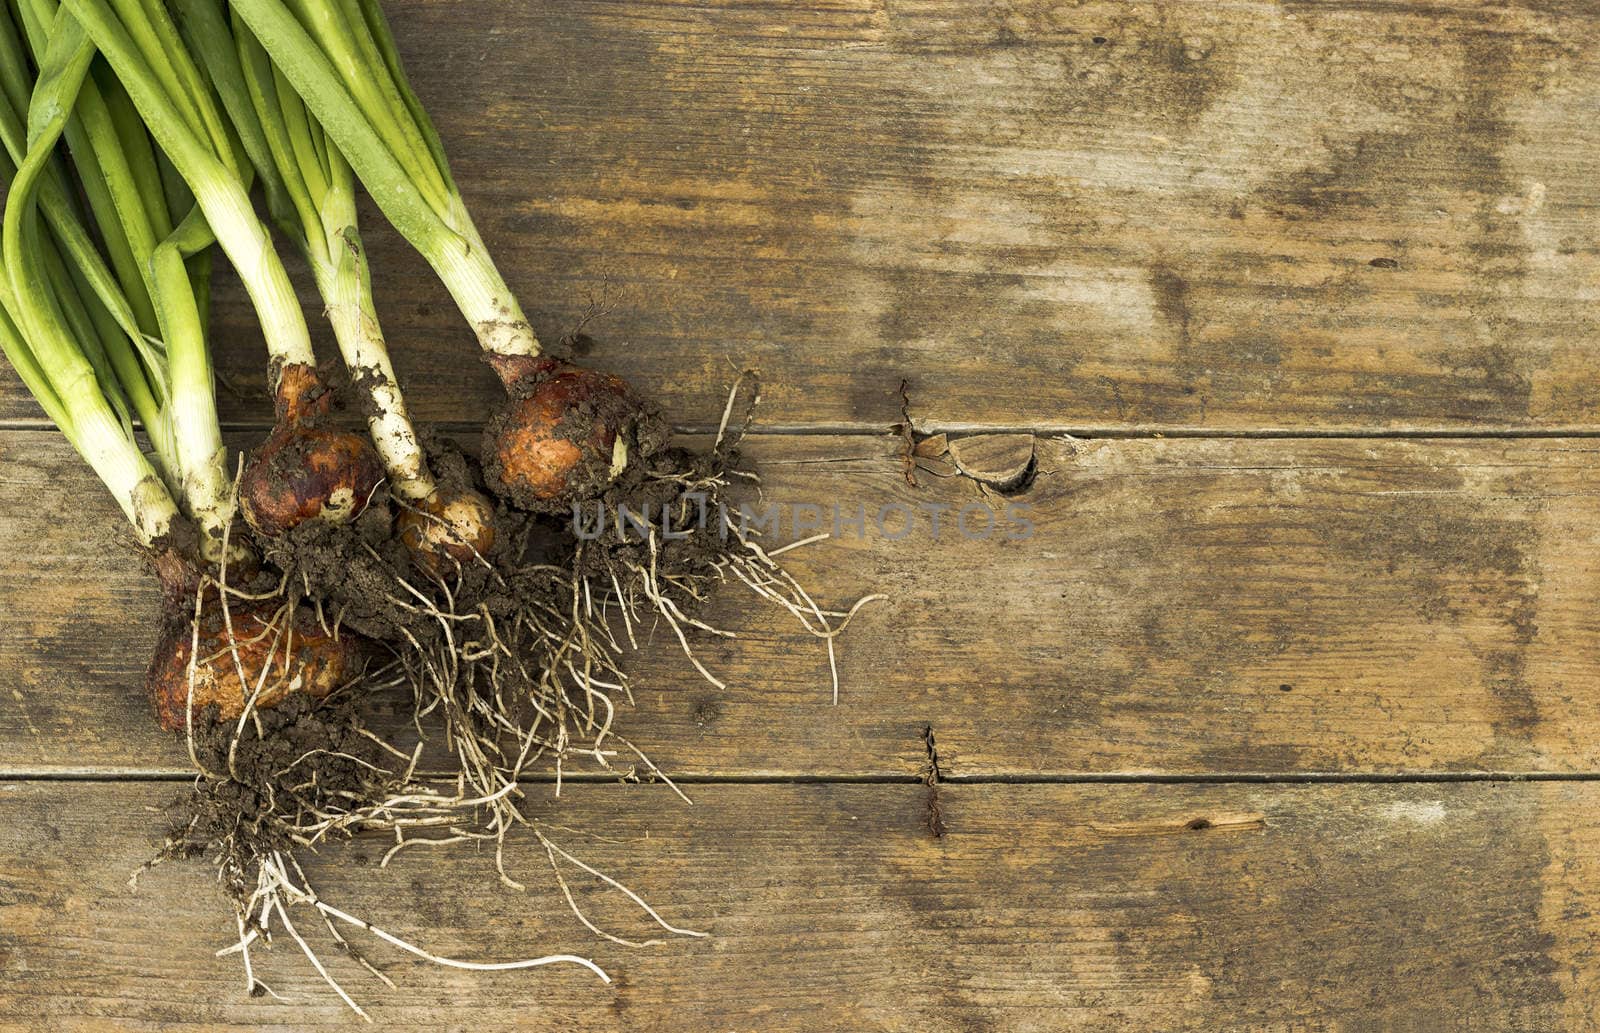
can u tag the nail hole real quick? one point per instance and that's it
(1198, 825)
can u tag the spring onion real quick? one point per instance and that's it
(310, 191)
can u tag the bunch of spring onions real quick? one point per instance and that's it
(93, 360)
(102, 339)
(565, 431)
(459, 575)
(102, 313)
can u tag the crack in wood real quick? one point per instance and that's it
(931, 777)
(908, 435)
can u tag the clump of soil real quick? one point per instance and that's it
(489, 650)
(351, 569)
(291, 774)
(363, 574)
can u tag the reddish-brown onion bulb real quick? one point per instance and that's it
(447, 531)
(304, 471)
(555, 440)
(297, 656)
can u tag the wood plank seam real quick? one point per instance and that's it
(1086, 432)
(1222, 778)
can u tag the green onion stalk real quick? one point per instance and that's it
(159, 253)
(87, 404)
(566, 433)
(310, 192)
(304, 471)
(65, 326)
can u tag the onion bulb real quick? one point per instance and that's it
(447, 530)
(277, 654)
(305, 471)
(563, 434)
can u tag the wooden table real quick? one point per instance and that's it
(1284, 717)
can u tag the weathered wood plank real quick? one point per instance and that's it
(1051, 213)
(1181, 606)
(832, 907)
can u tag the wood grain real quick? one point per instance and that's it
(832, 908)
(1181, 606)
(1042, 213)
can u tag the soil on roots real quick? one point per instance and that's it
(518, 653)
(664, 529)
(351, 570)
(494, 647)
(490, 649)
(284, 778)
(666, 512)
(660, 540)
(363, 574)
